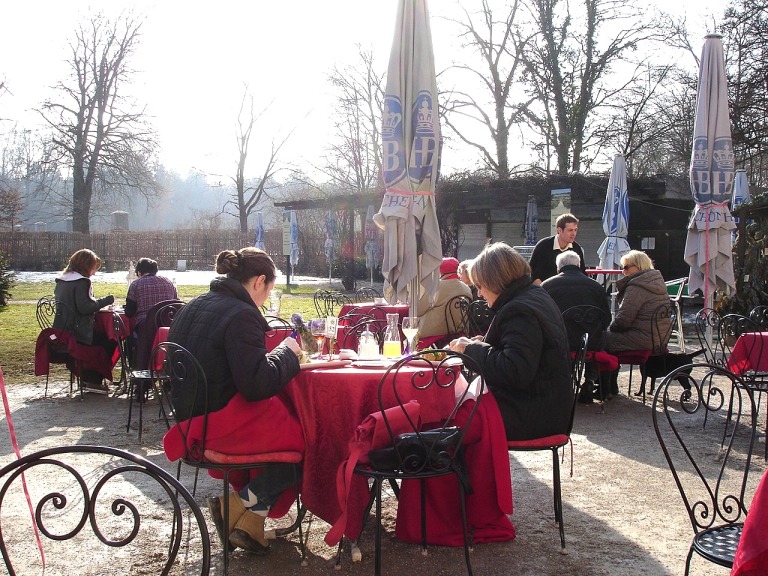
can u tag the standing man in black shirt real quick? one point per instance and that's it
(545, 252)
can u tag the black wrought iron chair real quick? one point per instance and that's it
(366, 294)
(329, 302)
(711, 479)
(707, 324)
(555, 442)
(457, 316)
(759, 315)
(480, 317)
(662, 323)
(350, 335)
(57, 353)
(732, 327)
(416, 454)
(591, 321)
(190, 395)
(107, 491)
(131, 378)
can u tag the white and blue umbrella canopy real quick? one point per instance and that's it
(740, 189)
(258, 240)
(412, 250)
(294, 256)
(708, 243)
(615, 217)
(331, 233)
(531, 221)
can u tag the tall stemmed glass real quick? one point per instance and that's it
(410, 329)
(317, 327)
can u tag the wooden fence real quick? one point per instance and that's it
(49, 251)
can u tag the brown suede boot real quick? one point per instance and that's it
(249, 533)
(236, 509)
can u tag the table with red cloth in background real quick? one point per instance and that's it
(751, 558)
(750, 353)
(378, 311)
(102, 323)
(331, 403)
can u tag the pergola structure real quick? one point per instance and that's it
(350, 205)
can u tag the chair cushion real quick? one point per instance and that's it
(288, 457)
(633, 356)
(608, 362)
(538, 443)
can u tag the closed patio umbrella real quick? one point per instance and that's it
(615, 217)
(294, 256)
(531, 221)
(410, 161)
(371, 242)
(258, 240)
(330, 239)
(740, 194)
(708, 243)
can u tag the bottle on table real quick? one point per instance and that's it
(367, 347)
(393, 347)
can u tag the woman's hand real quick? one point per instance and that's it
(459, 344)
(292, 344)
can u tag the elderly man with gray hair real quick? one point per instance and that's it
(571, 287)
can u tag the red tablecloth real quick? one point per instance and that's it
(378, 311)
(102, 323)
(330, 404)
(750, 353)
(752, 554)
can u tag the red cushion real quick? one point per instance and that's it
(607, 362)
(633, 356)
(261, 458)
(538, 443)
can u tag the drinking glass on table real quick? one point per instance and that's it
(317, 327)
(274, 302)
(410, 328)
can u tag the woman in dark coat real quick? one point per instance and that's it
(524, 354)
(225, 331)
(76, 311)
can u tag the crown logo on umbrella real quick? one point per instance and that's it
(391, 121)
(724, 157)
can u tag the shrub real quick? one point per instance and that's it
(7, 281)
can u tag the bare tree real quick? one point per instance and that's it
(353, 158)
(630, 126)
(745, 36)
(248, 194)
(96, 131)
(568, 67)
(499, 49)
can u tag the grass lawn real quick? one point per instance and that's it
(19, 328)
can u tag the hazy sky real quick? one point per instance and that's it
(194, 58)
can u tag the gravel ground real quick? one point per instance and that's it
(622, 512)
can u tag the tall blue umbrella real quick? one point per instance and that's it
(708, 243)
(294, 256)
(615, 217)
(531, 221)
(410, 161)
(258, 240)
(331, 233)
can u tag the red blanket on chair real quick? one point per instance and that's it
(243, 427)
(83, 357)
(490, 503)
